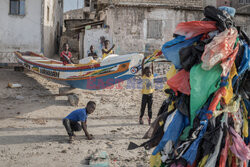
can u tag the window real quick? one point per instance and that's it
(241, 1)
(154, 29)
(17, 7)
(247, 1)
(47, 13)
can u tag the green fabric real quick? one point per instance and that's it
(203, 83)
(236, 42)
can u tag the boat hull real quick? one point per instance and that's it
(92, 77)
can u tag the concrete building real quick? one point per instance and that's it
(138, 25)
(30, 25)
(242, 6)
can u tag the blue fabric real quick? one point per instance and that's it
(171, 48)
(190, 154)
(245, 63)
(173, 131)
(78, 115)
(231, 11)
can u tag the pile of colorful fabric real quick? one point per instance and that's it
(205, 119)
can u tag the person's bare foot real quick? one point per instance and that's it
(141, 121)
(71, 139)
(149, 121)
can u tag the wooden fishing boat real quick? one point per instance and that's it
(111, 70)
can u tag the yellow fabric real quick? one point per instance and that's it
(232, 107)
(245, 121)
(161, 123)
(203, 162)
(229, 88)
(155, 160)
(105, 54)
(171, 72)
(147, 84)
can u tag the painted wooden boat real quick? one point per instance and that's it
(111, 70)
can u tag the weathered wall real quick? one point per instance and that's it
(92, 37)
(20, 33)
(52, 26)
(185, 3)
(210, 2)
(73, 14)
(244, 22)
(223, 3)
(129, 27)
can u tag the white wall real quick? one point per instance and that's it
(21, 33)
(50, 26)
(92, 37)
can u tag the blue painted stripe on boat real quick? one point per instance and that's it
(83, 84)
(89, 69)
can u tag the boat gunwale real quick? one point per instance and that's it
(88, 67)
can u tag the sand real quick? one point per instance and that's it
(32, 134)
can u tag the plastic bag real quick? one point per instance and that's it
(180, 82)
(173, 131)
(190, 154)
(229, 88)
(170, 74)
(239, 148)
(229, 10)
(223, 19)
(171, 48)
(228, 63)
(155, 160)
(219, 49)
(203, 84)
(194, 28)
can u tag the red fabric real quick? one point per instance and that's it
(217, 97)
(194, 28)
(228, 63)
(224, 152)
(63, 55)
(234, 162)
(180, 82)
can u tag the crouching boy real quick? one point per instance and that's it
(71, 121)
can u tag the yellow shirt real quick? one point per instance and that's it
(105, 54)
(148, 84)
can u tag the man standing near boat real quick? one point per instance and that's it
(106, 51)
(66, 55)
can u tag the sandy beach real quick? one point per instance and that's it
(32, 134)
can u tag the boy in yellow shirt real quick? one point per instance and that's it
(106, 51)
(147, 92)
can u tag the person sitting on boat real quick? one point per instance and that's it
(71, 121)
(105, 50)
(92, 53)
(66, 55)
(147, 92)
